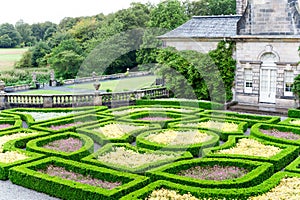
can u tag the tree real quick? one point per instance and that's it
(12, 34)
(296, 87)
(25, 61)
(40, 50)
(5, 41)
(25, 31)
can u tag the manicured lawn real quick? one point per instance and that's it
(41, 91)
(9, 56)
(119, 85)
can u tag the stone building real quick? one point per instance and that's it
(267, 36)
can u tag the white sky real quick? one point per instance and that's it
(34, 11)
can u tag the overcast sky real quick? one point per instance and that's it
(34, 11)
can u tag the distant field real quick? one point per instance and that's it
(8, 57)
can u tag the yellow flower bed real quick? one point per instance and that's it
(295, 122)
(288, 189)
(164, 194)
(222, 126)
(12, 156)
(251, 147)
(130, 158)
(172, 137)
(116, 130)
(7, 138)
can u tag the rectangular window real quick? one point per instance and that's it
(288, 83)
(248, 80)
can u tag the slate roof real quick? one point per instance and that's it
(206, 27)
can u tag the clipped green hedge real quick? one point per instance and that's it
(242, 126)
(135, 118)
(288, 122)
(249, 118)
(14, 124)
(195, 149)
(128, 137)
(4, 167)
(36, 145)
(258, 172)
(28, 176)
(294, 113)
(92, 159)
(30, 120)
(4, 115)
(212, 193)
(208, 105)
(86, 120)
(294, 166)
(20, 143)
(255, 132)
(280, 160)
(123, 111)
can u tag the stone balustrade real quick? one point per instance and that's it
(74, 100)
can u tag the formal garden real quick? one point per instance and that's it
(170, 149)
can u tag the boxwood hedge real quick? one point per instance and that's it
(251, 119)
(212, 193)
(195, 149)
(28, 176)
(242, 126)
(36, 145)
(92, 159)
(280, 160)
(256, 132)
(258, 172)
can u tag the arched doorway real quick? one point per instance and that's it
(268, 78)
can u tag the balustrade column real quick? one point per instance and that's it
(48, 101)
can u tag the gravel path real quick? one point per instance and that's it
(9, 191)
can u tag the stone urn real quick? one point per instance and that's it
(97, 85)
(2, 85)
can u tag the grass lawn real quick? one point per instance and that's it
(9, 56)
(41, 91)
(119, 85)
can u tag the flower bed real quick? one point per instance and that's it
(26, 175)
(249, 118)
(243, 147)
(169, 194)
(161, 118)
(125, 157)
(115, 132)
(64, 149)
(6, 138)
(191, 140)
(70, 124)
(223, 127)
(277, 133)
(41, 115)
(216, 193)
(253, 172)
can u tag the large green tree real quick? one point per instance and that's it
(9, 33)
(25, 31)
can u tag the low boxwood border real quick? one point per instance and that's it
(4, 167)
(30, 120)
(91, 159)
(36, 145)
(4, 116)
(280, 160)
(255, 132)
(15, 124)
(294, 113)
(135, 118)
(28, 176)
(88, 119)
(287, 122)
(188, 103)
(153, 108)
(251, 119)
(294, 166)
(212, 193)
(258, 172)
(20, 143)
(242, 126)
(127, 138)
(195, 149)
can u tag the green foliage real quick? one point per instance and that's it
(9, 36)
(296, 87)
(25, 61)
(25, 31)
(38, 53)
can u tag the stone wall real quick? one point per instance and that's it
(248, 55)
